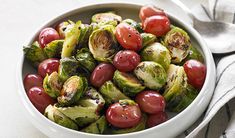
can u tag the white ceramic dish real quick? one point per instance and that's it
(171, 128)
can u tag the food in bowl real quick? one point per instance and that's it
(114, 76)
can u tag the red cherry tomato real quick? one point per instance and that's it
(47, 35)
(126, 60)
(150, 101)
(60, 28)
(148, 11)
(102, 73)
(48, 66)
(32, 80)
(158, 25)
(128, 37)
(196, 73)
(156, 119)
(123, 116)
(39, 98)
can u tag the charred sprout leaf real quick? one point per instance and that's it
(134, 24)
(158, 53)
(128, 83)
(72, 35)
(107, 17)
(34, 54)
(152, 74)
(83, 116)
(85, 59)
(68, 67)
(147, 39)
(52, 85)
(56, 116)
(98, 127)
(178, 42)
(139, 127)
(111, 93)
(72, 90)
(54, 48)
(85, 32)
(103, 44)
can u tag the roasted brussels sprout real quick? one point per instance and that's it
(35, 54)
(72, 35)
(193, 54)
(81, 115)
(134, 24)
(68, 67)
(147, 39)
(72, 90)
(128, 83)
(85, 32)
(54, 48)
(178, 93)
(52, 85)
(178, 42)
(111, 93)
(152, 74)
(85, 59)
(98, 127)
(103, 44)
(106, 17)
(56, 116)
(158, 53)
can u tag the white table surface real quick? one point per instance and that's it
(18, 20)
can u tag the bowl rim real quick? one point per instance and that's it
(210, 76)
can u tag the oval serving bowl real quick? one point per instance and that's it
(176, 124)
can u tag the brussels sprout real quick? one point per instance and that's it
(139, 127)
(92, 98)
(52, 85)
(103, 44)
(54, 48)
(72, 90)
(85, 32)
(81, 115)
(128, 83)
(68, 67)
(35, 54)
(158, 53)
(147, 39)
(134, 24)
(85, 59)
(56, 116)
(72, 35)
(106, 17)
(152, 74)
(98, 127)
(177, 41)
(193, 54)
(111, 93)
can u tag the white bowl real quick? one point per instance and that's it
(171, 128)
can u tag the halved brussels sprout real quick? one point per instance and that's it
(73, 89)
(178, 42)
(98, 127)
(134, 24)
(35, 54)
(158, 53)
(59, 118)
(85, 59)
(72, 35)
(68, 67)
(106, 17)
(152, 74)
(147, 39)
(103, 44)
(92, 98)
(52, 85)
(83, 116)
(54, 48)
(111, 93)
(85, 32)
(128, 83)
